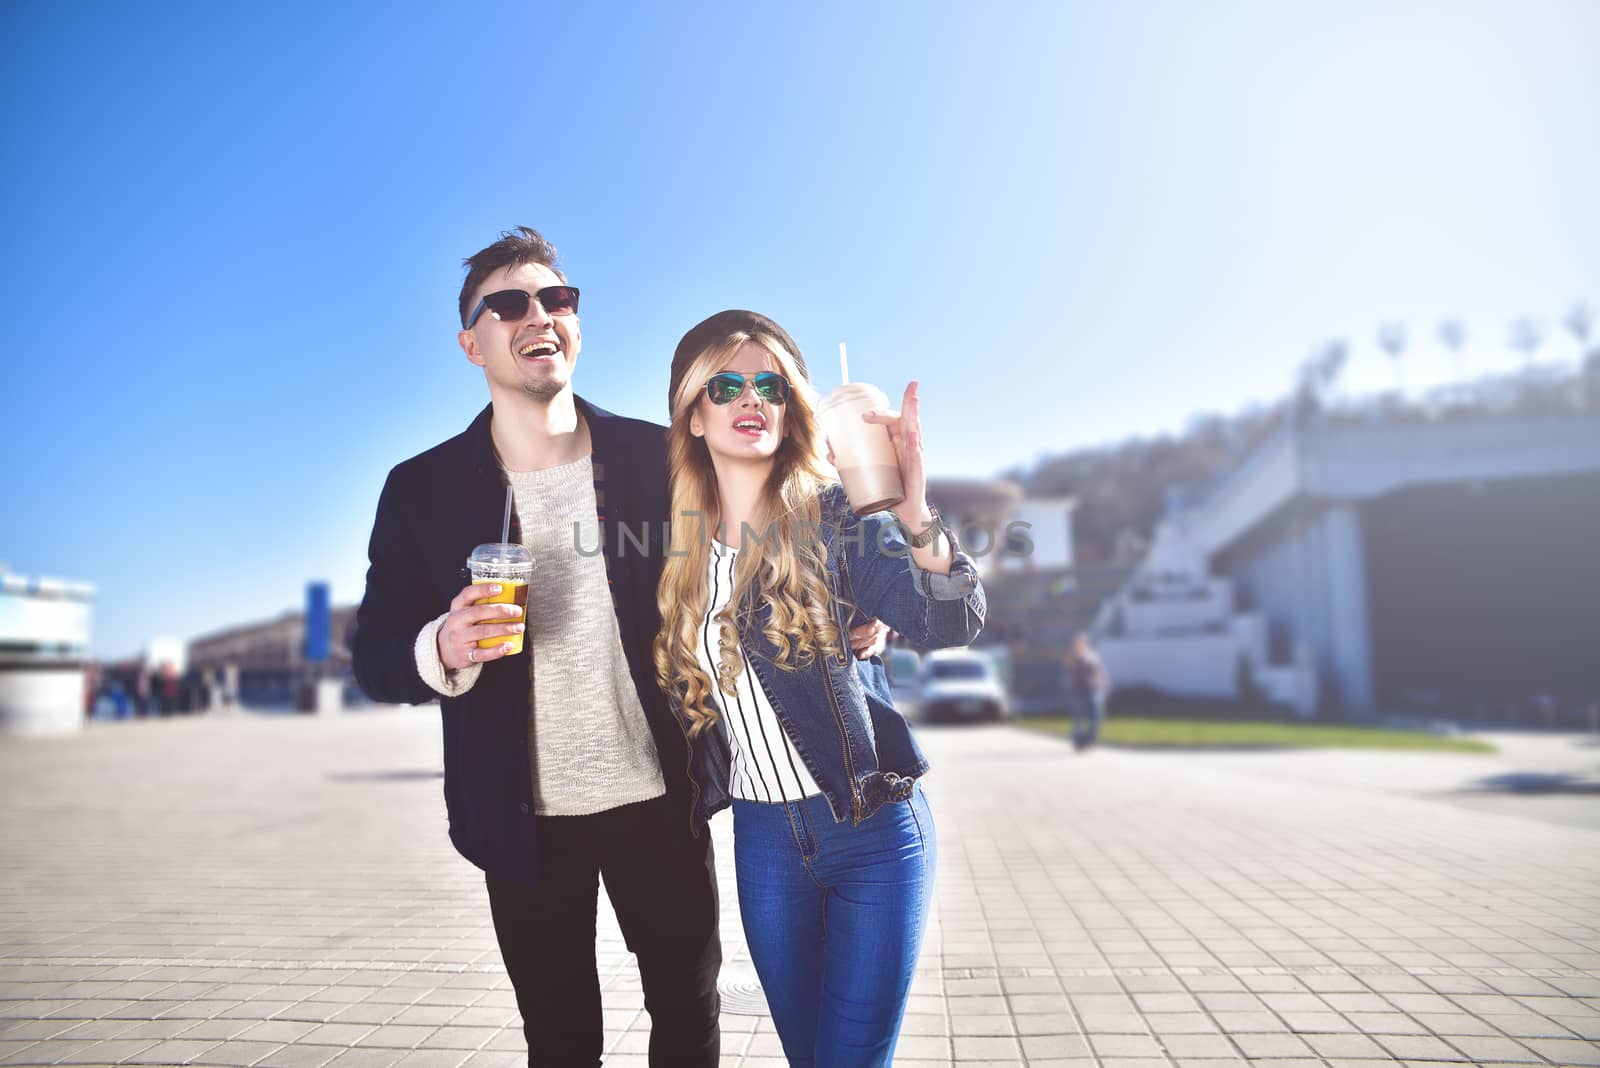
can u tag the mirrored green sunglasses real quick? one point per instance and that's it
(727, 387)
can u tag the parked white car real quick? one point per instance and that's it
(962, 685)
(904, 668)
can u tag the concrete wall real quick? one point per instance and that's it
(1267, 481)
(1208, 604)
(1312, 585)
(35, 700)
(1194, 665)
(1362, 462)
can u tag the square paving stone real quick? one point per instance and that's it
(156, 1029)
(1272, 1045)
(1582, 1026)
(1181, 1023)
(1565, 1051)
(1047, 1024)
(982, 1025)
(235, 1052)
(1231, 1002)
(1346, 1046)
(1491, 1048)
(1455, 1023)
(174, 1051)
(33, 1051)
(973, 1048)
(1385, 1023)
(1039, 1047)
(929, 1047)
(367, 1058)
(922, 1023)
(367, 1012)
(1198, 1046)
(335, 1034)
(425, 1014)
(505, 1059)
(463, 1038)
(395, 1036)
(1166, 1002)
(441, 1058)
(113, 1051)
(1417, 1047)
(1239, 1022)
(977, 1006)
(1025, 1004)
(1528, 1025)
(1348, 1003)
(1113, 1022)
(93, 1030)
(1111, 1046)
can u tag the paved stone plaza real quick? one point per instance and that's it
(279, 891)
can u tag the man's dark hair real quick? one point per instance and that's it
(515, 248)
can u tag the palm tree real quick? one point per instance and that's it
(1318, 374)
(1453, 332)
(1527, 334)
(1578, 321)
(1392, 339)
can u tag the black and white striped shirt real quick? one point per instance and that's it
(765, 766)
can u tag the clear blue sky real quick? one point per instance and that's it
(234, 232)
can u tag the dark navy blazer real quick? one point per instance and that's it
(434, 509)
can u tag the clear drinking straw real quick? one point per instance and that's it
(844, 365)
(505, 524)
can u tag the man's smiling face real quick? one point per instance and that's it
(533, 356)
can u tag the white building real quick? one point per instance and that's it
(1002, 529)
(1049, 534)
(1174, 628)
(44, 645)
(1384, 566)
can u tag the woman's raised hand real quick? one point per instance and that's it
(905, 430)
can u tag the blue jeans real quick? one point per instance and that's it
(1088, 710)
(834, 916)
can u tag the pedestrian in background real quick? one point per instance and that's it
(1088, 685)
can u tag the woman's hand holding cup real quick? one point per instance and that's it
(905, 431)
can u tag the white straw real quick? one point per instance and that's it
(844, 365)
(505, 524)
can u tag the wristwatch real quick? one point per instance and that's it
(924, 539)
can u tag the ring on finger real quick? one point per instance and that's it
(472, 655)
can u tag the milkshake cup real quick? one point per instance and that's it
(511, 567)
(862, 451)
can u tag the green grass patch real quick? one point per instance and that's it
(1265, 734)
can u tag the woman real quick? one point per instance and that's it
(833, 840)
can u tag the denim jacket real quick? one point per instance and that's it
(838, 711)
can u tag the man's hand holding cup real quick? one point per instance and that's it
(470, 623)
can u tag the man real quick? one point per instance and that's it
(563, 763)
(1088, 684)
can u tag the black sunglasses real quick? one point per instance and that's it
(727, 387)
(514, 304)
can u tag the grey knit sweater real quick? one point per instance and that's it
(590, 744)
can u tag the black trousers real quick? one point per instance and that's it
(663, 886)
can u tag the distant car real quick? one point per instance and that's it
(962, 685)
(904, 668)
